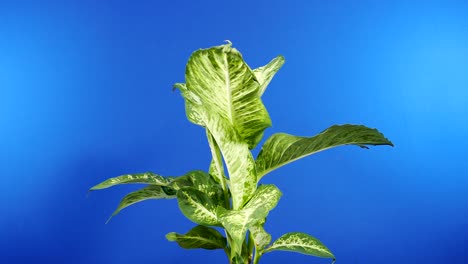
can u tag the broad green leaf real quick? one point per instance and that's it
(197, 206)
(239, 160)
(149, 192)
(301, 243)
(236, 222)
(260, 237)
(281, 148)
(200, 181)
(265, 73)
(221, 94)
(147, 177)
(224, 82)
(199, 237)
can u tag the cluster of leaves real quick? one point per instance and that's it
(223, 95)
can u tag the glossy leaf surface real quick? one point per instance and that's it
(199, 237)
(147, 177)
(301, 243)
(281, 149)
(149, 192)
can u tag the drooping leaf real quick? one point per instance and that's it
(265, 73)
(301, 243)
(199, 237)
(281, 148)
(146, 177)
(149, 192)
(236, 222)
(197, 206)
(260, 237)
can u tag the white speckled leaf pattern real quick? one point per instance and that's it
(193, 108)
(239, 160)
(281, 149)
(149, 192)
(197, 206)
(199, 237)
(260, 237)
(301, 243)
(265, 73)
(221, 79)
(221, 94)
(147, 177)
(236, 222)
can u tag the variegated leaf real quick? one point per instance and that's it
(193, 108)
(265, 73)
(200, 181)
(197, 206)
(281, 148)
(147, 177)
(301, 243)
(222, 92)
(199, 237)
(239, 160)
(236, 222)
(149, 192)
(224, 82)
(260, 237)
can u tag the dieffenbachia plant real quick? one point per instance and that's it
(223, 95)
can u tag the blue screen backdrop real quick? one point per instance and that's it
(85, 94)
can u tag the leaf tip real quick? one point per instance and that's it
(171, 236)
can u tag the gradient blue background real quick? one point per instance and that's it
(85, 94)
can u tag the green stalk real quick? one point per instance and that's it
(257, 257)
(250, 248)
(216, 154)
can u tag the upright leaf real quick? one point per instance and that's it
(236, 222)
(221, 79)
(301, 243)
(199, 237)
(221, 94)
(216, 166)
(197, 206)
(265, 73)
(146, 177)
(281, 148)
(149, 192)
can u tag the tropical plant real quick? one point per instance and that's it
(223, 95)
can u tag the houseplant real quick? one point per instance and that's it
(223, 95)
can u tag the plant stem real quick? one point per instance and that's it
(257, 257)
(219, 168)
(250, 248)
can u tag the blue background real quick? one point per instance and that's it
(85, 94)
